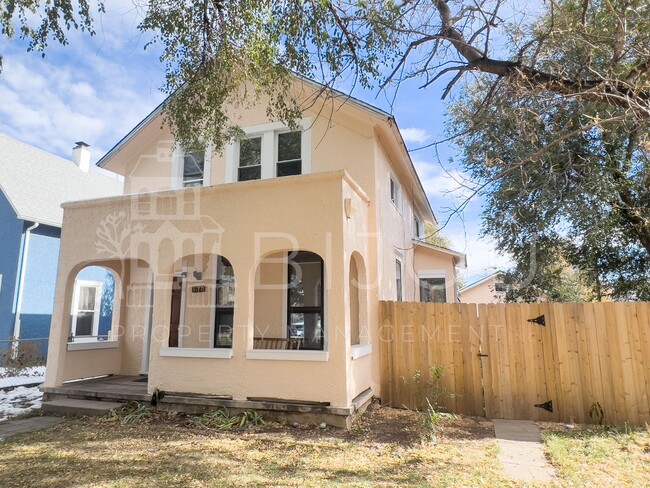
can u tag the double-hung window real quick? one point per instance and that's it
(86, 308)
(193, 168)
(269, 151)
(289, 155)
(417, 228)
(395, 195)
(398, 279)
(250, 159)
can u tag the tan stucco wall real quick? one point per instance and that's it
(249, 228)
(482, 293)
(430, 260)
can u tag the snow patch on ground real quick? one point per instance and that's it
(26, 376)
(18, 401)
(15, 397)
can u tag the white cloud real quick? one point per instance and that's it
(413, 134)
(482, 256)
(83, 91)
(438, 182)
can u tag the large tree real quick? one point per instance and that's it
(565, 170)
(552, 116)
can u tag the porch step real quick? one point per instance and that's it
(71, 406)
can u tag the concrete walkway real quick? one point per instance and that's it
(13, 427)
(521, 450)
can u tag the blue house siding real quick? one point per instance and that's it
(10, 243)
(40, 282)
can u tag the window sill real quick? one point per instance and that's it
(85, 346)
(284, 355)
(196, 352)
(361, 350)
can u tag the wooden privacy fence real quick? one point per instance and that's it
(542, 361)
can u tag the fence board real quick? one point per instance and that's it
(587, 353)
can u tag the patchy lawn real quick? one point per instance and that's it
(599, 456)
(384, 449)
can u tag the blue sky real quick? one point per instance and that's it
(97, 89)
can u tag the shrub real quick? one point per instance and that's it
(222, 420)
(131, 413)
(429, 394)
(21, 355)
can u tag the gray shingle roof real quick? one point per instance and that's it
(36, 182)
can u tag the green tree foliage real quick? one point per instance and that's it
(567, 177)
(435, 237)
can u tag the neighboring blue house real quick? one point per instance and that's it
(33, 185)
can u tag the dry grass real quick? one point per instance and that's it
(597, 456)
(384, 449)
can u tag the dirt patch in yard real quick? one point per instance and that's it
(385, 448)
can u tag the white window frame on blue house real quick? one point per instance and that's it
(99, 288)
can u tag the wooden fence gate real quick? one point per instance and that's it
(546, 361)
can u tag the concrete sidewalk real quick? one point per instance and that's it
(521, 450)
(13, 427)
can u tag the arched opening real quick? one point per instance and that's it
(202, 303)
(358, 302)
(289, 302)
(353, 281)
(94, 305)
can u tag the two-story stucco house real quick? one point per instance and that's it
(252, 278)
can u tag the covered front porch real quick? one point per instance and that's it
(245, 292)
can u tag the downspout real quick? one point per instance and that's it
(21, 281)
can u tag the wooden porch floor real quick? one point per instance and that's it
(109, 388)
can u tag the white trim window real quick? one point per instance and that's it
(249, 162)
(86, 309)
(191, 167)
(398, 279)
(395, 194)
(417, 228)
(269, 151)
(289, 153)
(433, 286)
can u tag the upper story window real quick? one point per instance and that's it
(417, 228)
(193, 168)
(250, 159)
(269, 151)
(289, 154)
(395, 195)
(398, 279)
